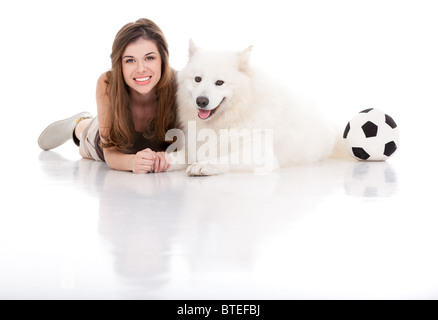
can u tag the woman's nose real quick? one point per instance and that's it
(141, 66)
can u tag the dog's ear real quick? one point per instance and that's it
(192, 49)
(244, 59)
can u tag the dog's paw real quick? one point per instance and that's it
(199, 169)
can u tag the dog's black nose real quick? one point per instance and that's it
(202, 102)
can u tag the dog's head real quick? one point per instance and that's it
(210, 80)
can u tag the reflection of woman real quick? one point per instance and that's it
(135, 106)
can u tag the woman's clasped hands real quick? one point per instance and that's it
(148, 161)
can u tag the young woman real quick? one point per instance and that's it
(135, 106)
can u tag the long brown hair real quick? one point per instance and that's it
(121, 131)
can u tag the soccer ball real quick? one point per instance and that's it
(371, 135)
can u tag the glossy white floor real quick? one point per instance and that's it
(72, 228)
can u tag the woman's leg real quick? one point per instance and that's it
(87, 132)
(81, 126)
(79, 130)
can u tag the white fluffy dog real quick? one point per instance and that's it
(234, 117)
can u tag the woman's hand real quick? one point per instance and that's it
(147, 161)
(144, 161)
(162, 162)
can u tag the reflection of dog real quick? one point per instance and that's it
(220, 91)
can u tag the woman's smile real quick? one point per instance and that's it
(143, 81)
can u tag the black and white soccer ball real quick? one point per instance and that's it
(371, 135)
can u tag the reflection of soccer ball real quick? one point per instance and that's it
(371, 135)
(371, 180)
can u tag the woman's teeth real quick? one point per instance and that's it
(142, 79)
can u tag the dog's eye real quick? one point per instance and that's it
(219, 82)
(198, 79)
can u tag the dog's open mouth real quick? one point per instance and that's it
(207, 114)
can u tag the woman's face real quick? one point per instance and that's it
(141, 66)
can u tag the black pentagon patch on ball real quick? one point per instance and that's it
(366, 110)
(370, 129)
(347, 130)
(390, 121)
(360, 153)
(390, 148)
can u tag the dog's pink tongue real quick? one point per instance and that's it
(204, 114)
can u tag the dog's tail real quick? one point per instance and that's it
(339, 151)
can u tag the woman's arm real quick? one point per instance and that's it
(142, 162)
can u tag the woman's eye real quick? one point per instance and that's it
(129, 61)
(220, 82)
(198, 79)
(150, 58)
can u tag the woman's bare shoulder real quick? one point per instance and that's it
(103, 104)
(102, 84)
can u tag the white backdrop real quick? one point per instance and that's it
(345, 55)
